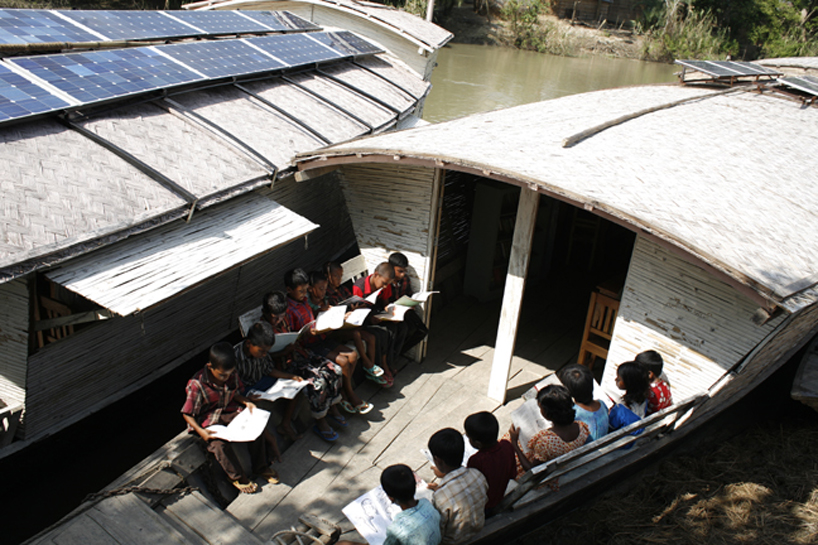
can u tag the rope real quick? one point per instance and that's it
(278, 537)
(96, 497)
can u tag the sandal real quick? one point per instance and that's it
(247, 488)
(374, 371)
(347, 406)
(329, 436)
(270, 475)
(340, 420)
(364, 407)
(380, 380)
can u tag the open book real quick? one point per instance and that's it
(336, 318)
(284, 340)
(370, 299)
(414, 300)
(246, 427)
(283, 387)
(397, 310)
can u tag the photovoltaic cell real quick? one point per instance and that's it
(805, 84)
(223, 58)
(21, 98)
(218, 21)
(728, 69)
(281, 20)
(294, 49)
(94, 76)
(31, 26)
(346, 43)
(131, 25)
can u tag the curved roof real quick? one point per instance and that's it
(729, 178)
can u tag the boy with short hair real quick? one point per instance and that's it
(382, 280)
(494, 459)
(462, 492)
(402, 285)
(253, 362)
(213, 396)
(659, 396)
(579, 380)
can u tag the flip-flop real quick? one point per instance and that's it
(248, 488)
(328, 436)
(364, 407)
(270, 475)
(340, 420)
(380, 381)
(374, 371)
(347, 406)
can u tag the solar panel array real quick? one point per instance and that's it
(728, 69)
(29, 26)
(805, 84)
(45, 83)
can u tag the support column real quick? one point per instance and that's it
(513, 293)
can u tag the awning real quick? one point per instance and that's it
(147, 269)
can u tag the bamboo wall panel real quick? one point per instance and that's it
(390, 208)
(69, 378)
(700, 325)
(363, 108)
(395, 72)
(13, 340)
(373, 85)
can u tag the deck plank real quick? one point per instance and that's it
(82, 531)
(130, 521)
(210, 522)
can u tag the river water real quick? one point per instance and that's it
(479, 78)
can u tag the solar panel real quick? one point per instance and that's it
(131, 25)
(805, 84)
(728, 69)
(346, 43)
(223, 58)
(218, 21)
(281, 20)
(21, 98)
(31, 26)
(99, 75)
(294, 49)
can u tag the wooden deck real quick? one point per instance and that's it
(320, 478)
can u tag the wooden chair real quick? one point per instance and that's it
(599, 324)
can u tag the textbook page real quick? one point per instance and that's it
(529, 420)
(331, 319)
(246, 427)
(415, 299)
(284, 340)
(373, 297)
(357, 317)
(283, 387)
(372, 512)
(394, 313)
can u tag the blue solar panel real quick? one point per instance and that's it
(295, 49)
(31, 26)
(90, 77)
(281, 20)
(21, 98)
(224, 58)
(346, 43)
(218, 21)
(131, 25)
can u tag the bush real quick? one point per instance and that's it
(686, 33)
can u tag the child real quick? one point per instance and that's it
(564, 435)
(416, 329)
(213, 396)
(494, 459)
(318, 292)
(659, 396)
(580, 383)
(462, 492)
(300, 314)
(325, 377)
(418, 523)
(382, 280)
(632, 377)
(253, 362)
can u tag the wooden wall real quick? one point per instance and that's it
(14, 318)
(700, 325)
(69, 379)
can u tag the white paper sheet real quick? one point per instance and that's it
(394, 313)
(373, 297)
(414, 300)
(283, 388)
(331, 319)
(246, 427)
(357, 317)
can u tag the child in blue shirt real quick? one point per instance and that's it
(580, 383)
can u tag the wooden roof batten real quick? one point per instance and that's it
(429, 147)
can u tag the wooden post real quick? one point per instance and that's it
(430, 10)
(513, 294)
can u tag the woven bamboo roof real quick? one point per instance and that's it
(805, 64)
(429, 35)
(729, 178)
(71, 187)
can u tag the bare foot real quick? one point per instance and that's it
(287, 431)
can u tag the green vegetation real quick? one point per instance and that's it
(530, 32)
(678, 31)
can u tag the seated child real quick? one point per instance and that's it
(325, 377)
(494, 459)
(300, 314)
(564, 435)
(659, 396)
(633, 378)
(382, 280)
(461, 495)
(580, 383)
(213, 396)
(253, 362)
(402, 285)
(418, 523)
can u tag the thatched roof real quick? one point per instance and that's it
(801, 64)
(730, 180)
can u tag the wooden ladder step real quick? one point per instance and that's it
(207, 521)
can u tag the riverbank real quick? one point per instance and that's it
(563, 38)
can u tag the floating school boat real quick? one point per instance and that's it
(148, 186)
(683, 213)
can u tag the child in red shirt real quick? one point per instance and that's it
(494, 459)
(659, 396)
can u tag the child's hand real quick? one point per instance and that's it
(514, 433)
(433, 486)
(296, 378)
(250, 405)
(207, 435)
(254, 396)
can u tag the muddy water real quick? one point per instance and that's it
(479, 78)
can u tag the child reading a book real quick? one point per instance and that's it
(494, 459)
(213, 396)
(580, 383)
(659, 396)
(418, 523)
(461, 495)
(632, 377)
(382, 280)
(402, 285)
(300, 314)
